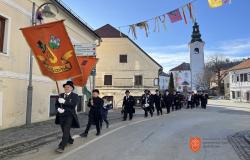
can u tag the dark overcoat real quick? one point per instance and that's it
(71, 101)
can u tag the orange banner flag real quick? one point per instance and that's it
(53, 50)
(87, 64)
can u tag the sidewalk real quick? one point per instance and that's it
(229, 103)
(25, 138)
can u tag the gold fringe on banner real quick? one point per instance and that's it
(163, 21)
(143, 25)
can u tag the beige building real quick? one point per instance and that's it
(14, 62)
(123, 65)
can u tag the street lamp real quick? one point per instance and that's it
(45, 12)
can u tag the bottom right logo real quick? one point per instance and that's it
(195, 144)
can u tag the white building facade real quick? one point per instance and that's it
(240, 82)
(163, 81)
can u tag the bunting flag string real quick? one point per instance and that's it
(184, 15)
(174, 16)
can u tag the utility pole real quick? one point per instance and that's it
(30, 87)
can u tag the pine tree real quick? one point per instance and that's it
(171, 87)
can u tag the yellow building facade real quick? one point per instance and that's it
(14, 62)
(123, 65)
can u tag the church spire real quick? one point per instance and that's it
(196, 36)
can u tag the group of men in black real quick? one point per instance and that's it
(66, 104)
(171, 101)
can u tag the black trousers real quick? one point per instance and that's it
(65, 122)
(125, 115)
(89, 126)
(148, 109)
(190, 105)
(159, 109)
(168, 108)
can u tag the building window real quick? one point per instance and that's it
(2, 31)
(237, 78)
(232, 78)
(107, 79)
(233, 94)
(238, 94)
(245, 77)
(241, 77)
(123, 58)
(138, 80)
(52, 108)
(228, 85)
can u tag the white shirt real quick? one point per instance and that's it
(66, 94)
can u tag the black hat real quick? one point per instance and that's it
(70, 83)
(95, 90)
(156, 90)
(127, 91)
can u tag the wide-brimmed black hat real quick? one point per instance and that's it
(70, 83)
(127, 91)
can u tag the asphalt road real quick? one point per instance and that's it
(159, 138)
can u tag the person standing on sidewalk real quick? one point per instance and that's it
(66, 115)
(128, 106)
(95, 104)
(157, 102)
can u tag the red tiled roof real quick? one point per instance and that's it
(242, 65)
(182, 67)
(109, 31)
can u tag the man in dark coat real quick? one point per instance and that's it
(66, 115)
(176, 100)
(167, 99)
(157, 102)
(95, 104)
(196, 100)
(204, 98)
(147, 103)
(128, 106)
(190, 100)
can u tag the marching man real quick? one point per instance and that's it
(128, 106)
(66, 115)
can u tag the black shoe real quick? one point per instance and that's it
(60, 150)
(98, 133)
(71, 141)
(107, 126)
(84, 135)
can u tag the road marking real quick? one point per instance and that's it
(101, 136)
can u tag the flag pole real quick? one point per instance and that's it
(57, 87)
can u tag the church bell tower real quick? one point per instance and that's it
(196, 46)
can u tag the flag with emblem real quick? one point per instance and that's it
(175, 15)
(217, 3)
(87, 64)
(53, 50)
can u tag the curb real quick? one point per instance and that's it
(6, 151)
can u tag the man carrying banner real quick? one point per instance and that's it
(66, 115)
